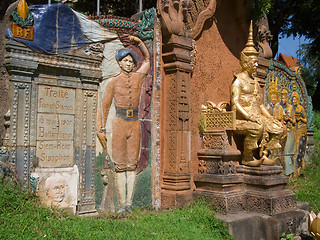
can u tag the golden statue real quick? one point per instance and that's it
(314, 225)
(252, 117)
(301, 131)
(274, 107)
(289, 136)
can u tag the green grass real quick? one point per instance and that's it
(307, 186)
(22, 217)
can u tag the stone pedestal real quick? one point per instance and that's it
(266, 190)
(310, 146)
(246, 225)
(217, 180)
(223, 191)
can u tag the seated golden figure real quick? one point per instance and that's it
(261, 130)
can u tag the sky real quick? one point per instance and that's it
(289, 46)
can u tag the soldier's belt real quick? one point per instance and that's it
(128, 114)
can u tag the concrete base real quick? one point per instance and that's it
(250, 225)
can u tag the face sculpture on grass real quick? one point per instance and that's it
(56, 188)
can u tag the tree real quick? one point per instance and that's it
(311, 73)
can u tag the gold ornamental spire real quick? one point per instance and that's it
(250, 49)
(23, 9)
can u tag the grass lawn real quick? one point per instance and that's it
(307, 186)
(22, 217)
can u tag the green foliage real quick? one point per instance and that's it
(260, 8)
(287, 236)
(311, 67)
(316, 125)
(22, 217)
(306, 187)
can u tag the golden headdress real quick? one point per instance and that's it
(295, 93)
(273, 86)
(284, 90)
(249, 49)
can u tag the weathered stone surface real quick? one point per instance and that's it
(270, 202)
(176, 122)
(51, 127)
(251, 225)
(58, 187)
(230, 201)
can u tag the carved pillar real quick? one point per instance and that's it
(176, 186)
(181, 22)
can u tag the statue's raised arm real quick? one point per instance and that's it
(144, 68)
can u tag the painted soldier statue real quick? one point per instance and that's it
(124, 90)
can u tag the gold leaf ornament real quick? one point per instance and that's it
(23, 9)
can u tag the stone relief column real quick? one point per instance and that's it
(176, 187)
(21, 87)
(177, 46)
(265, 53)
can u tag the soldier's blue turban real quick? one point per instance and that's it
(123, 52)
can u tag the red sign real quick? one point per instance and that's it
(24, 33)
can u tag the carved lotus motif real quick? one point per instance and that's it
(314, 225)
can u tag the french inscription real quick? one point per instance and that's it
(55, 153)
(55, 126)
(56, 100)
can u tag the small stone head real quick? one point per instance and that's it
(295, 98)
(55, 188)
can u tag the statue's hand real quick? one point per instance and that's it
(102, 139)
(256, 119)
(276, 121)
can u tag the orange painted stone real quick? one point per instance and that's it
(24, 33)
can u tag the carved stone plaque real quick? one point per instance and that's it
(56, 100)
(55, 126)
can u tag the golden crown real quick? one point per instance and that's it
(249, 49)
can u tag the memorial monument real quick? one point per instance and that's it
(105, 112)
